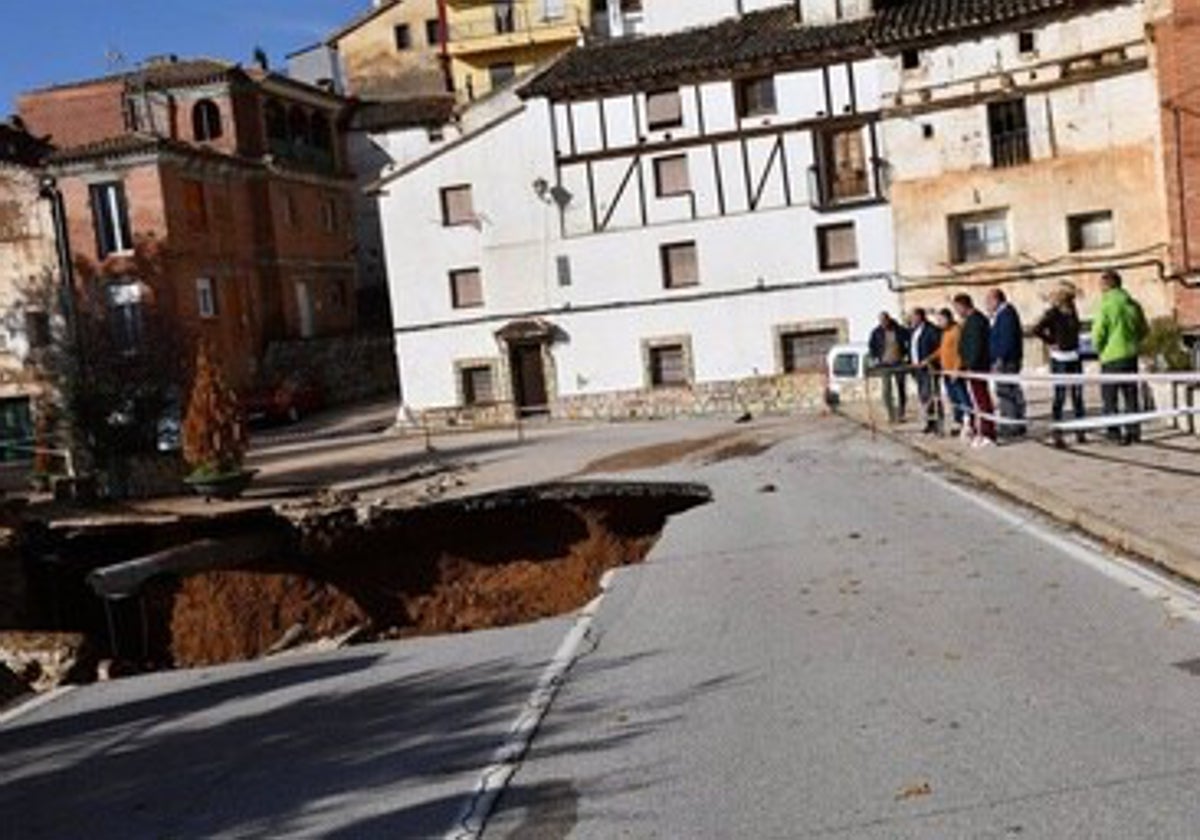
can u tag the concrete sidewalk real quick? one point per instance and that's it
(1140, 499)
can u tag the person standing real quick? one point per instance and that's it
(1117, 335)
(1006, 347)
(888, 348)
(925, 341)
(973, 350)
(1059, 329)
(948, 361)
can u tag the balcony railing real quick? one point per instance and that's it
(1010, 148)
(512, 20)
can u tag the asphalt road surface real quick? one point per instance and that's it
(839, 646)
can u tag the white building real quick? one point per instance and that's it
(667, 224)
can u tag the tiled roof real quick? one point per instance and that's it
(772, 39)
(399, 113)
(128, 145)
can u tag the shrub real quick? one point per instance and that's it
(1164, 346)
(214, 436)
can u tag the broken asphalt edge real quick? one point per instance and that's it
(508, 758)
(1151, 548)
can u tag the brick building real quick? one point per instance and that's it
(219, 195)
(1177, 34)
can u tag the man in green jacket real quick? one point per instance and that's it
(1117, 335)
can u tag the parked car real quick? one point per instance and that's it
(845, 364)
(286, 401)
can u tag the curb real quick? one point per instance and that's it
(1152, 548)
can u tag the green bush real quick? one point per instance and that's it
(1164, 346)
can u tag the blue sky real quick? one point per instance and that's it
(46, 42)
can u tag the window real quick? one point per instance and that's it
(504, 16)
(37, 328)
(501, 74)
(664, 109)
(403, 36)
(125, 315)
(466, 288)
(289, 211)
(433, 32)
(329, 215)
(1091, 231)
(805, 351)
(837, 246)
(910, 60)
(668, 365)
(111, 216)
(478, 385)
(977, 237)
(756, 97)
(458, 208)
(206, 297)
(680, 267)
(842, 165)
(206, 121)
(194, 207)
(1009, 132)
(671, 176)
(1026, 42)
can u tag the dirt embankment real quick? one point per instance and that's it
(437, 570)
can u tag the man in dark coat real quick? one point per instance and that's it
(1006, 347)
(926, 340)
(889, 348)
(973, 348)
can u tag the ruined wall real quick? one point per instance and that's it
(1093, 138)
(27, 264)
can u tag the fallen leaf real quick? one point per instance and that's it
(914, 791)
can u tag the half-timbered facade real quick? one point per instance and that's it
(664, 225)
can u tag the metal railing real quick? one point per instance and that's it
(502, 19)
(1010, 148)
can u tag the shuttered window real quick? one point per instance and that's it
(805, 351)
(837, 246)
(478, 385)
(671, 176)
(664, 109)
(458, 207)
(668, 366)
(466, 288)
(680, 265)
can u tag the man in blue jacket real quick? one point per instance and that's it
(1006, 345)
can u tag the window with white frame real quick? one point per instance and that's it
(110, 214)
(125, 315)
(1091, 231)
(458, 206)
(206, 297)
(978, 237)
(680, 265)
(671, 177)
(664, 109)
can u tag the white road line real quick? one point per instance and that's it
(1179, 601)
(494, 778)
(33, 703)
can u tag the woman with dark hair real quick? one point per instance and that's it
(1059, 329)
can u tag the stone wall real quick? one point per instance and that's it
(791, 393)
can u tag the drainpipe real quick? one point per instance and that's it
(444, 44)
(1181, 178)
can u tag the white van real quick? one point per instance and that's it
(845, 363)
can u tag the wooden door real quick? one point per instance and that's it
(529, 379)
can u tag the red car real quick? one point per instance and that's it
(287, 401)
